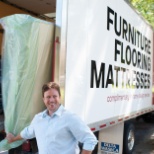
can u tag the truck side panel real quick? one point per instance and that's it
(109, 62)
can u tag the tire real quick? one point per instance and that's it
(129, 138)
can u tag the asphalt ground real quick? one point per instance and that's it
(144, 137)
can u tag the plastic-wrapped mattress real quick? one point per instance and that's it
(26, 66)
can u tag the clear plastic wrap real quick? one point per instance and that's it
(26, 66)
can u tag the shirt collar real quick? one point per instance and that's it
(57, 113)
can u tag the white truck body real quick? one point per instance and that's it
(105, 65)
(107, 76)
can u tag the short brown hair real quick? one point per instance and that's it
(50, 85)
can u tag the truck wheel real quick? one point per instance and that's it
(129, 138)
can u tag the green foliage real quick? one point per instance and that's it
(146, 9)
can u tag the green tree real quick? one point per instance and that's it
(146, 9)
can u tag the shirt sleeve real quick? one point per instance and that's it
(82, 132)
(28, 132)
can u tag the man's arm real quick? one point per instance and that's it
(83, 134)
(11, 138)
(85, 152)
(26, 133)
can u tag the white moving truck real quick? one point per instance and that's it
(103, 61)
(107, 70)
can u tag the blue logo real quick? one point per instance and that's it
(109, 147)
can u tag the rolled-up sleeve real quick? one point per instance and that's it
(90, 144)
(82, 133)
(28, 132)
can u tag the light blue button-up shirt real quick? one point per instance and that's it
(59, 133)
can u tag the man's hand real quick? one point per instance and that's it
(11, 138)
(85, 152)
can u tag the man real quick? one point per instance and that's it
(57, 130)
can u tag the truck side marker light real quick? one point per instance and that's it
(93, 129)
(127, 117)
(101, 126)
(121, 119)
(112, 122)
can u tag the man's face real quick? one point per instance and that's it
(51, 100)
